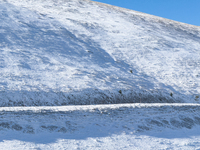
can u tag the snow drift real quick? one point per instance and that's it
(83, 52)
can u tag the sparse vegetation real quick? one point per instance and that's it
(120, 91)
(171, 94)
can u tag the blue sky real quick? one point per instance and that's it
(187, 11)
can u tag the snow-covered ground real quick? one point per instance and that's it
(123, 126)
(55, 53)
(83, 52)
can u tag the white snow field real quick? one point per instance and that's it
(60, 58)
(122, 126)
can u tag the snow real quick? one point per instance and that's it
(124, 126)
(59, 59)
(51, 50)
(114, 142)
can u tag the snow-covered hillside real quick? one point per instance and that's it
(83, 52)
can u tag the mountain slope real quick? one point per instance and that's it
(83, 52)
(75, 52)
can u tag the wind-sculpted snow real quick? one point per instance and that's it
(52, 51)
